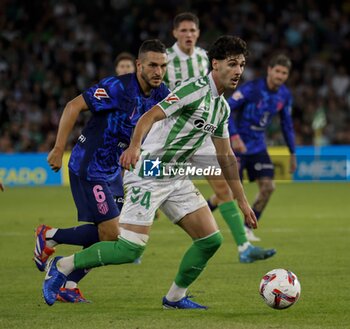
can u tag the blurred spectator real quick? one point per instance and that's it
(52, 50)
(124, 63)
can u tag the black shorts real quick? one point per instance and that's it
(257, 165)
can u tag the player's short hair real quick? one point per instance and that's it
(124, 56)
(187, 16)
(280, 59)
(154, 45)
(227, 46)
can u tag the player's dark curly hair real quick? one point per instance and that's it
(152, 45)
(227, 46)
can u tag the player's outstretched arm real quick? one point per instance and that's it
(229, 167)
(67, 122)
(131, 155)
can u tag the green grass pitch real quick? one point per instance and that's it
(308, 224)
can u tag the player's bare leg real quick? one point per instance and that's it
(229, 210)
(266, 187)
(221, 189)
(109, 229)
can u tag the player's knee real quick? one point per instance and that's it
(133, 253)
(268, 188)
(211, 243)
(136, 243)
(108, 231)
(217, 242)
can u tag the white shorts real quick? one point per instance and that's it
(176, 198)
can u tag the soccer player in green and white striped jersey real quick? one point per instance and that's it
(176, 128)
(185, 59)
(177, 139)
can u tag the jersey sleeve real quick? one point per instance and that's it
(236, 101)
(105, 95)
(287, 124)
(222, 129)
(176, 100)
(171, 104)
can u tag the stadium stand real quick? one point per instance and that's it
(50, 51)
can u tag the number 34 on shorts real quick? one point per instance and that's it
(138, 196)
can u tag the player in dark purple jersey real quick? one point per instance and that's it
(116, 104)
(253, 105)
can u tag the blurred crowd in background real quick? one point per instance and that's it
(50, 51)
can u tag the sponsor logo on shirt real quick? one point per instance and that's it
(202, 125)
(100, 93)
(81, 139)
(122, 145)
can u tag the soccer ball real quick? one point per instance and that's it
(280, 288)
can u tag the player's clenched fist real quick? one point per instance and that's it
(55, 159)
(130, 157)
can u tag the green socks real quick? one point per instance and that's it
(233, 219)
(196, 258)
(108, 252)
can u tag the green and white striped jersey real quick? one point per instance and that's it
(195, 111)
(181, 66)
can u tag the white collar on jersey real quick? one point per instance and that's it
(181, 54)
(213, 88)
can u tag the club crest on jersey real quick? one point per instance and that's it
(100, 93)
(237, 95)
(279, 106)
(171, 99)
(102, 208)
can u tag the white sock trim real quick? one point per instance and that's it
(175, 293)
(208, 236)
(66, 265)
(244, 246)
(70, 285)
(138, 238)
(50, 233)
